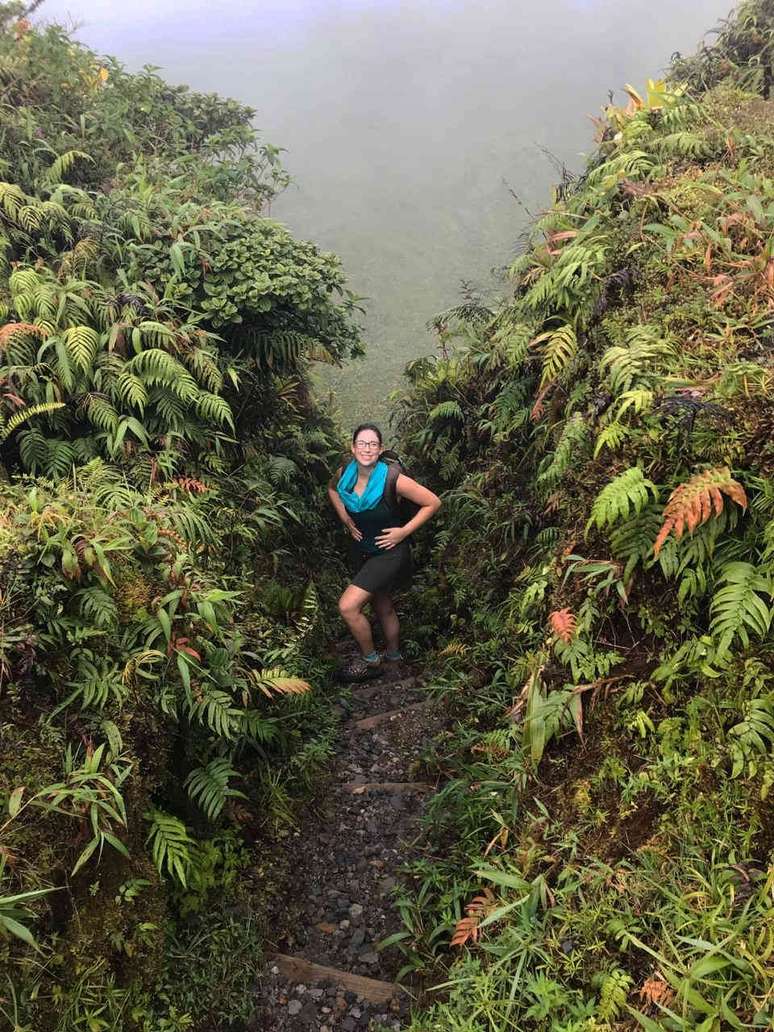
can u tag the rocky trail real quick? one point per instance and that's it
(326, 972)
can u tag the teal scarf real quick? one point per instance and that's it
(372, 495)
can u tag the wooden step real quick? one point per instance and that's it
(369, 723)
(297, 969)
(389, 787)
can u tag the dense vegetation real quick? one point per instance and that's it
(601, 852)
(601, 582)
(161, 475)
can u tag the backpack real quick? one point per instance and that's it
(405, 509)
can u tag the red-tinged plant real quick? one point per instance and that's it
(191, 484)
(467, 928)
(10, 330)
(656, 990)
(563, 624)
(692, 503)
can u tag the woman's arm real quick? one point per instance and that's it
(341, 511)
(428, 502)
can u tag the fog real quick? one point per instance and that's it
(408, 127)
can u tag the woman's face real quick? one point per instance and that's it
(367, 448)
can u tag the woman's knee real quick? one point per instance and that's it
(349, 607)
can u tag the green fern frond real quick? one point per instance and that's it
(738, 609)
(755, 732)
(613, 995)
(216, 709)
(170, 845)
(64, 163)
(214, 409)
(624, 496)
(81, 343)
(636, 365)
(25, 414)
(561, 347)
(446, 410)
(208, 786)
(612, 437)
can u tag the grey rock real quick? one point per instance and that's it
(294, 1007)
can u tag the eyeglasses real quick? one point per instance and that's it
(367, 444)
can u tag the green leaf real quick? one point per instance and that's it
(14, 801)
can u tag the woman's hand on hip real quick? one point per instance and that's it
(390, 537)
(352, 528)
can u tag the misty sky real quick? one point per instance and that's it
(404, 121)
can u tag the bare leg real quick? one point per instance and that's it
(388, 618)
(351, 608)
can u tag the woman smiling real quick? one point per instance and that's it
(366, 495)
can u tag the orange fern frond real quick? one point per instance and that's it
(692, 503)
(191, 484)
(656, 990)
(13, 328)
(467, 927)
(563, 624)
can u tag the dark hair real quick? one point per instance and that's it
(367, 426)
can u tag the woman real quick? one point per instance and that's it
(380, 554)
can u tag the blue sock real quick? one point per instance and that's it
(372, 657)
(393, 655)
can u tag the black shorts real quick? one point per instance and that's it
(385, 572)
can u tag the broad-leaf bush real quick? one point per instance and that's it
(162, 473)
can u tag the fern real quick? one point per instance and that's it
(277, 682)
(99, 684)
(570, 451)
(626, 495)
(692, 503)
(81, 343)
(613, 994)
(446, 410)
(685, 144)
(62, 165)
(563, 624)
(635, 365)
(612, 436)
(208, 786)
(467, 928)
(170, 845)
(637, 401)
(18, 418)
(561, 347)
(754, 733)
(97, 606)
(738, 609)
(214, 409)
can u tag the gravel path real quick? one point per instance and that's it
(345, 859)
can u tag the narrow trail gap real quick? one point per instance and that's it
(344, 862)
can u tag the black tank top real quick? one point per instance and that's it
(371, 523)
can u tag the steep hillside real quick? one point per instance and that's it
(605, 567)
(162, 470)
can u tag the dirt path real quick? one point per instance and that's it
(345, 861)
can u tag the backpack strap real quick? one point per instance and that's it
(394, 470)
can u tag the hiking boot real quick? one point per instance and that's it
(358, 669)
